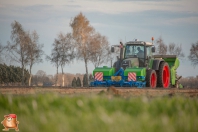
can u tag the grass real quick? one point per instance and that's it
(104, 113)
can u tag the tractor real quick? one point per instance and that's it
(137, 66)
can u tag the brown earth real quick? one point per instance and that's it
(125, 92)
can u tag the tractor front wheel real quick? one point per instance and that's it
(163, 75)
(151, 78)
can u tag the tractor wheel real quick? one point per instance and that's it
(163, 75)
(151, 78)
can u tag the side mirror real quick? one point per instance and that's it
(153, 49)
(112, 49)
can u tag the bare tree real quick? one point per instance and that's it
(24, 48)
(171, 48)
(161, 47)
(174, 49)
(99, 49)
(194, 54)
(1, 47)
(65, 47)
(54, 58)
(40, 78)
(1, 52)
(81, 32)
(35, 52)
(189, 82)
(18, 48)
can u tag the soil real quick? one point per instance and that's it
(125, 92)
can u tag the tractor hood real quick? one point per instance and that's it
(130, 62)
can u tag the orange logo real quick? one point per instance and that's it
(10, 122)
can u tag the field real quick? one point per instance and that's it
(99, 110)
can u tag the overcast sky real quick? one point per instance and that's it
(174, 20)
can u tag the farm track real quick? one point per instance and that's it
(125, 91)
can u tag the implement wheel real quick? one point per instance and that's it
(151, 78)
(163, 75)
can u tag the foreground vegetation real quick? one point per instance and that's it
(101, 113)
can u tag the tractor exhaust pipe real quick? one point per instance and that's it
(121, 51)
(145, 53)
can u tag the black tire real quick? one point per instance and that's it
(151, 78)
(163, 75)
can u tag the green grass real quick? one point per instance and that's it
(94, 113)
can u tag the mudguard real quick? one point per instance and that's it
(156, 63)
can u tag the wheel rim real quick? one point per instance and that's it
(166, 77)
(153, 80)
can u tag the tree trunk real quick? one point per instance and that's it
(56, 76)
(22, 75)
(63, 83)
(86, 71)
(30, 75)
(30, 80)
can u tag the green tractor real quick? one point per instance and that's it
(138, 67)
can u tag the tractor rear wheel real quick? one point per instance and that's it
(151, 78)
(163, 75)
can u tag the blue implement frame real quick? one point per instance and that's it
(121, 83)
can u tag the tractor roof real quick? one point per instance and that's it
(139, 43)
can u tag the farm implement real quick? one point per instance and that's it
(138, 67)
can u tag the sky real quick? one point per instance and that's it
(176, 21)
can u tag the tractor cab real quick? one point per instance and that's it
(137, 53)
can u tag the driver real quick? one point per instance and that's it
(140, 53)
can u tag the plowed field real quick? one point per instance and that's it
(119, 91)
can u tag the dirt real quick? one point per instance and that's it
(125, 92)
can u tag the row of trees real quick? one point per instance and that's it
(174, 49)
(42, 79)
(189, 82)
(12, 75)
(83, 43)
(23, 48)
(76, 82)
(170, 49)
(193, 57)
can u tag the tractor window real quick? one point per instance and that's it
(148, 51)
(134, 51)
